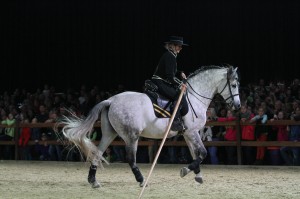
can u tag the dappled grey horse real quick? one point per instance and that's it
(130, 115)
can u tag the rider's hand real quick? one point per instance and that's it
(183, 86)
(183, 75)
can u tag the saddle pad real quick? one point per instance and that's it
(161, 113)
(158, 104)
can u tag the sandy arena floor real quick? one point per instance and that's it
(25, 179)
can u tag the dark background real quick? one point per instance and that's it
(106, 43)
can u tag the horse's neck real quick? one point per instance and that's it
(204, 88)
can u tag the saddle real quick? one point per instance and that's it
(161, 105)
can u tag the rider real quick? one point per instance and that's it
(165, 77)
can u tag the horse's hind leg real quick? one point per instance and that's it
(108, 135)
(131, 149)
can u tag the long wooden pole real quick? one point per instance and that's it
(164, 138)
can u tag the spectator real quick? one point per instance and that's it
(289, 98)
(42, 148)
(55, 150)
(277, 107)
(218, 135)
(9, 132)
(206, 134)
(230, 135)
(291, 155)
(40, 117)
(94, 134)
(9, 135)
(267, 109)
(35, 132)
(247, 135)
(295, 87)
(279, 133)
(261, 133)
(108, 155)
(23, 141)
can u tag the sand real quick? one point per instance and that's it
(38, 179)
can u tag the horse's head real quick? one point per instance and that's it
(230, 89)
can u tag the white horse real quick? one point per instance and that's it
(130, 115)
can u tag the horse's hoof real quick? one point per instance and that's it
(142, 183)
(199, 179)
(95, 184)
(92, 180)
(184, 171)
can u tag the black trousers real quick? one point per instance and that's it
(170, 92)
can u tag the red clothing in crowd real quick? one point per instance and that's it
(230, 134)
(282, 132)
(248, 130)
(282, 135)
(24, 137)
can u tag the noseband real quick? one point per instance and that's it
(229, 104)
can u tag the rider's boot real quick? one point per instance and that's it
(178, 124)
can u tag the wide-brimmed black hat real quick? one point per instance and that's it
(176, 40)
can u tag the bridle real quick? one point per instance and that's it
(228, 104)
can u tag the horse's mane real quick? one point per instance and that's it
(205, 68)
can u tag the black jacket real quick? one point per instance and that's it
(167, 68)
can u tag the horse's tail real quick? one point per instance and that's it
(78, 131)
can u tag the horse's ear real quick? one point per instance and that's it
(230, 72)
(236, 72)
(235, 69)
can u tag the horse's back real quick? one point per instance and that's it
(130, 109)
(129, 97)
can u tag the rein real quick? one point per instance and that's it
(228, 104)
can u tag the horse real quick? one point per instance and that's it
(131, 116)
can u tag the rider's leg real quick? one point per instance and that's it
(171, 93)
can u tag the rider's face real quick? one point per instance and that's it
(178, 48)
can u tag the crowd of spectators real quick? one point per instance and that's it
(261, 102)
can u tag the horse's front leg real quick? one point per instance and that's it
(198, 152)
(194, 166)
(131, 149)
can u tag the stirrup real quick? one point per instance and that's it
(177, 125)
